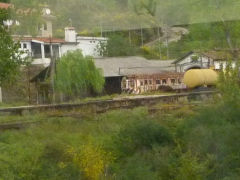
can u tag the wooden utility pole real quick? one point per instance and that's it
(52, 71)
(1, 100)
(142, 35)
(159, 39)
(129, 36)
(167, 42)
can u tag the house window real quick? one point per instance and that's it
(164, 81)
(141, 83)
(173, 81)
(194, 58)
(45, 26)
(179, 81)
(150, 82)
(47, 51)
(39, 27)
(158, 82)
(146, 82)
(24, 46)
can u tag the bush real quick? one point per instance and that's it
(78, 75)
(141, 135)
(136, 167)
(117, 45)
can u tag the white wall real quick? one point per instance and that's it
(88, 48)
(89, 45)
(68, 47)
(186, 63)
(45, 62)
(219, 64)
(26, 49)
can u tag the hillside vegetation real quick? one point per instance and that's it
(188, 143)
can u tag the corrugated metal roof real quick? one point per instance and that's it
(121, 66)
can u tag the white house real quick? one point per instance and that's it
(197, 60)
(88, 45)
(41, 49)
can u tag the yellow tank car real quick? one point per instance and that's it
(200, 77)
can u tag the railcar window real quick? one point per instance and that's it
(173, 81)
(146, 82)
(164, 81)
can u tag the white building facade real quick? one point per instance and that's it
(195, 60)
(42, 49)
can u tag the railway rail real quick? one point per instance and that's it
(101, 106)
(105, 105)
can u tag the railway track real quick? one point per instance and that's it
(117, 103)
(101, 106)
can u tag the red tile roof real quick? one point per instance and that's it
(5, 5)
(42, 39)
(49, 40)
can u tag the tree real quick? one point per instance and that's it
(10, 59)
(29, 14)
(78, 75)
(117, 45)
(145, 7)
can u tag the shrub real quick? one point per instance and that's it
(117, 45)
(140, 135)
(78, 75)
(92, 160)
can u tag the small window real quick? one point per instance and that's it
(90, 41)
(131, 83)
(45, 26)
(164, 81)
(142, 83)
(179, 81)
(146, 82)
(194, 58)
(173, 81)
(39, 27)
(158, 82)
(24, 46)
(150, 82)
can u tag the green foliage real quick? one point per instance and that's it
(92, 160)
(10, 59)
(150, 53)
(136, 167)
(229, 84)
(190, 168)
(78, 75)
(29, 14)
(140, 135)
(117, 45)
(131, 144)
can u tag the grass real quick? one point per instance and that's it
(176, 142)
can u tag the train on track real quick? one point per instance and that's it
(192, 80)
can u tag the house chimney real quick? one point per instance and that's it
(70, 34)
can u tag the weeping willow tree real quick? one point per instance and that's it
(77, 75)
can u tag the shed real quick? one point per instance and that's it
(115, 68)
